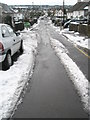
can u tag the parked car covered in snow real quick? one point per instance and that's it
(10, 43)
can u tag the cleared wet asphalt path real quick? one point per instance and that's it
(50, 94)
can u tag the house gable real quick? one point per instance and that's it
(79, 6)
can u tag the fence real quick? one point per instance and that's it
(84, 29)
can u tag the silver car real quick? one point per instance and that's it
(10, 43)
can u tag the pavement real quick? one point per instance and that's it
(50, 93)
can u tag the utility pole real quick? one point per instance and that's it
(33, 5)
(63, 10)
(0, 14)
(89, 13)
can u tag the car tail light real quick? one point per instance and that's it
(1, 47)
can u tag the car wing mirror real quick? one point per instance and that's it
(3, 34)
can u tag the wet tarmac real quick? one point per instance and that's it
(50, 94)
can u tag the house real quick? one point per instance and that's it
(59, 14)
(5, 11)
(79, 10)
(69, 13)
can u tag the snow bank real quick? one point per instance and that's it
(57, 29)
(74, 37)
(13, 80)
(78, 40)
(78, 78)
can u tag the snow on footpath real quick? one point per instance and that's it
(78, 78)
(13, 80)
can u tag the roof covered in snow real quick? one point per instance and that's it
(78, 6)
(6, 8)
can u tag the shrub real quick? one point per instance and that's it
(26, 24)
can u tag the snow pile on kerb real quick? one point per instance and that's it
(74, 37)
(78, 78)
(13, 80)
(78, 40)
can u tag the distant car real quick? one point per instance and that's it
(66, 25)
(42, 18)
(10, 43)
(19, 25)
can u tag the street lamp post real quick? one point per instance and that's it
(33, 5)
(63, 10)
(0, 14)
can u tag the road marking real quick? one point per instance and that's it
(78, 48)
(82, 52)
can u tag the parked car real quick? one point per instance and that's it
(66, 25)
(64, 21)
(19, 26)
(10, 43)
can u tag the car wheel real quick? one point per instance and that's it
(21, 47)
(7, 62)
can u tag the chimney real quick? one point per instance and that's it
(78, 0)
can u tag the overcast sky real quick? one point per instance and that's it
(38, 2)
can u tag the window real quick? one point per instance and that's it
(10, 30)
(5, 32)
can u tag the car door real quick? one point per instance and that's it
(16, 40)
(6, 39)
